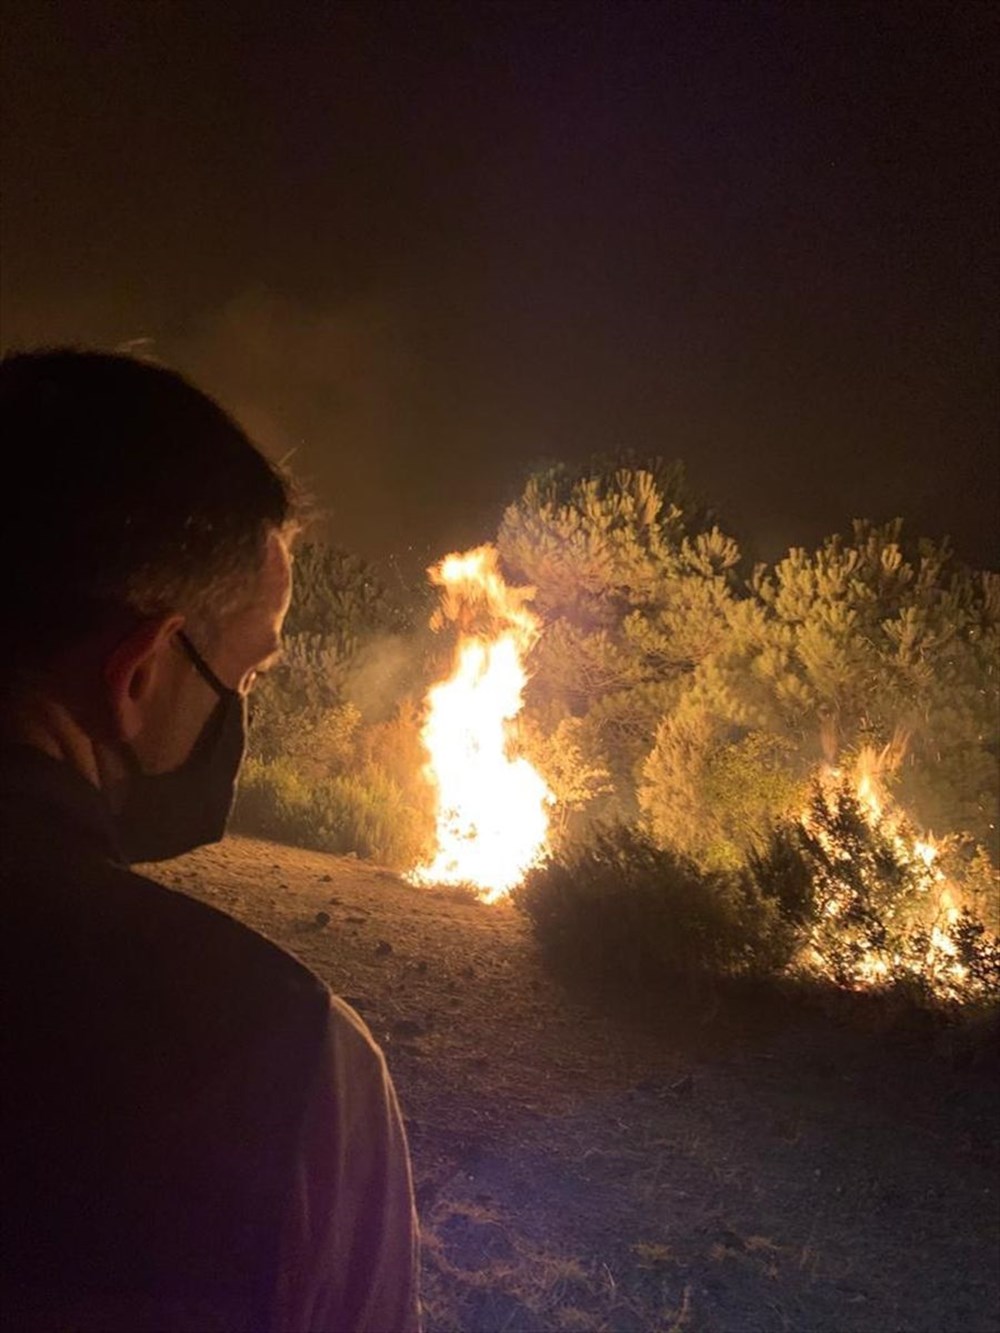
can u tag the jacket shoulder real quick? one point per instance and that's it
(139, 943)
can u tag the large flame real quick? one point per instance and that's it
(492, 806)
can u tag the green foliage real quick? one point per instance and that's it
(967, 864)
(596, 539)
(711, 789)
(668, 686)
(273, 801)
(363, 812)
(366, 813)
(622, 910)
(753, 779)
(315, 738)
(395, 748)
(318, 774)
(338, 597)
(289, 703)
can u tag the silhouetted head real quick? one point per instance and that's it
(133, 494)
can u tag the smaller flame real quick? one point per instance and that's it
(878, 810)
(868, 794)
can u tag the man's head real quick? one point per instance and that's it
(143, 524)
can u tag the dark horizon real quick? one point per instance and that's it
(422, 246)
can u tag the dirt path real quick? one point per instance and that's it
(575, 1172)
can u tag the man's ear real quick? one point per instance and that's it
(131, 671)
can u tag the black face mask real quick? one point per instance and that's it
(167, 814)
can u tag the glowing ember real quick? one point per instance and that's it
(492, 806)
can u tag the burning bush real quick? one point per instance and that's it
(874, 907)
(834, 896)
(844, 891)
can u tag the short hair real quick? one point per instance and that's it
(130, 491)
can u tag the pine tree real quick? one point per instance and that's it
(632, 585)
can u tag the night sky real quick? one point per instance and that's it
(426, 245)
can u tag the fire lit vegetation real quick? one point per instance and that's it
(690, 766)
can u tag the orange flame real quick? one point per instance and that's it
(940, 960)
(492, 807)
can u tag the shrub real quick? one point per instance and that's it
(626, 911)
(272, 800)
(367, 814)
(363, 812)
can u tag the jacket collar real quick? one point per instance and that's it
(34, 781)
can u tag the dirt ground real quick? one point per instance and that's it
(577, 1170)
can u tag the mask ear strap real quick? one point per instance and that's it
(202, 667)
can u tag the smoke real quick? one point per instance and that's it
(333, 392)
(386, 670)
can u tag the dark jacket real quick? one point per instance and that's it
(195, 1135)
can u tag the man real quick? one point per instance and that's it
(196, 1136)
